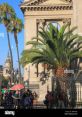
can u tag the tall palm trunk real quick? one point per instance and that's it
(9, 45)
(16, 42)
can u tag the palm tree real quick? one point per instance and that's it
(54, 48)
(15, 27)
(57, 48)
(6, 12)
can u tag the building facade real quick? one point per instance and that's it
(39, 13)
(5, 71)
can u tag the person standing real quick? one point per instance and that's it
(8, 100)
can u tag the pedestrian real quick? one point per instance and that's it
(8, 100)
(49, 100)
(35, 96)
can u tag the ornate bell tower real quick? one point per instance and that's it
(7, 67)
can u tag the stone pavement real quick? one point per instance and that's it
(39, 105)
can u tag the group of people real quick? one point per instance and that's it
(53, 100)
(19, 99)
(25, 99)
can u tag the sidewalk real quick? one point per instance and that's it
(1, 107)
(39, 105)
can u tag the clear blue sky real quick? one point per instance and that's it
(3, 38)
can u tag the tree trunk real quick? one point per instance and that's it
(61, 84)
(9, 45)
(16, 42)
(62, 77)
(59, 72)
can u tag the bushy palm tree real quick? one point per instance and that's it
(15, 27)
(6, 12)
(56, 47)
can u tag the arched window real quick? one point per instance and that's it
(55, 23)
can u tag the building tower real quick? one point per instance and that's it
(7, 67)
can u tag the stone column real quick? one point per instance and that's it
(30, 32)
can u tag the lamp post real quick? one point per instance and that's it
(28, 76)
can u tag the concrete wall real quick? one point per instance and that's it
(30, 32)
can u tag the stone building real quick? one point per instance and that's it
(39, 13)
(5, 70)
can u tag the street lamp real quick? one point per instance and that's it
(28, 76)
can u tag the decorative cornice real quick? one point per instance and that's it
(70, 1)
(37, 2)
(34, 5)
(33, 2)
(48, 8)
